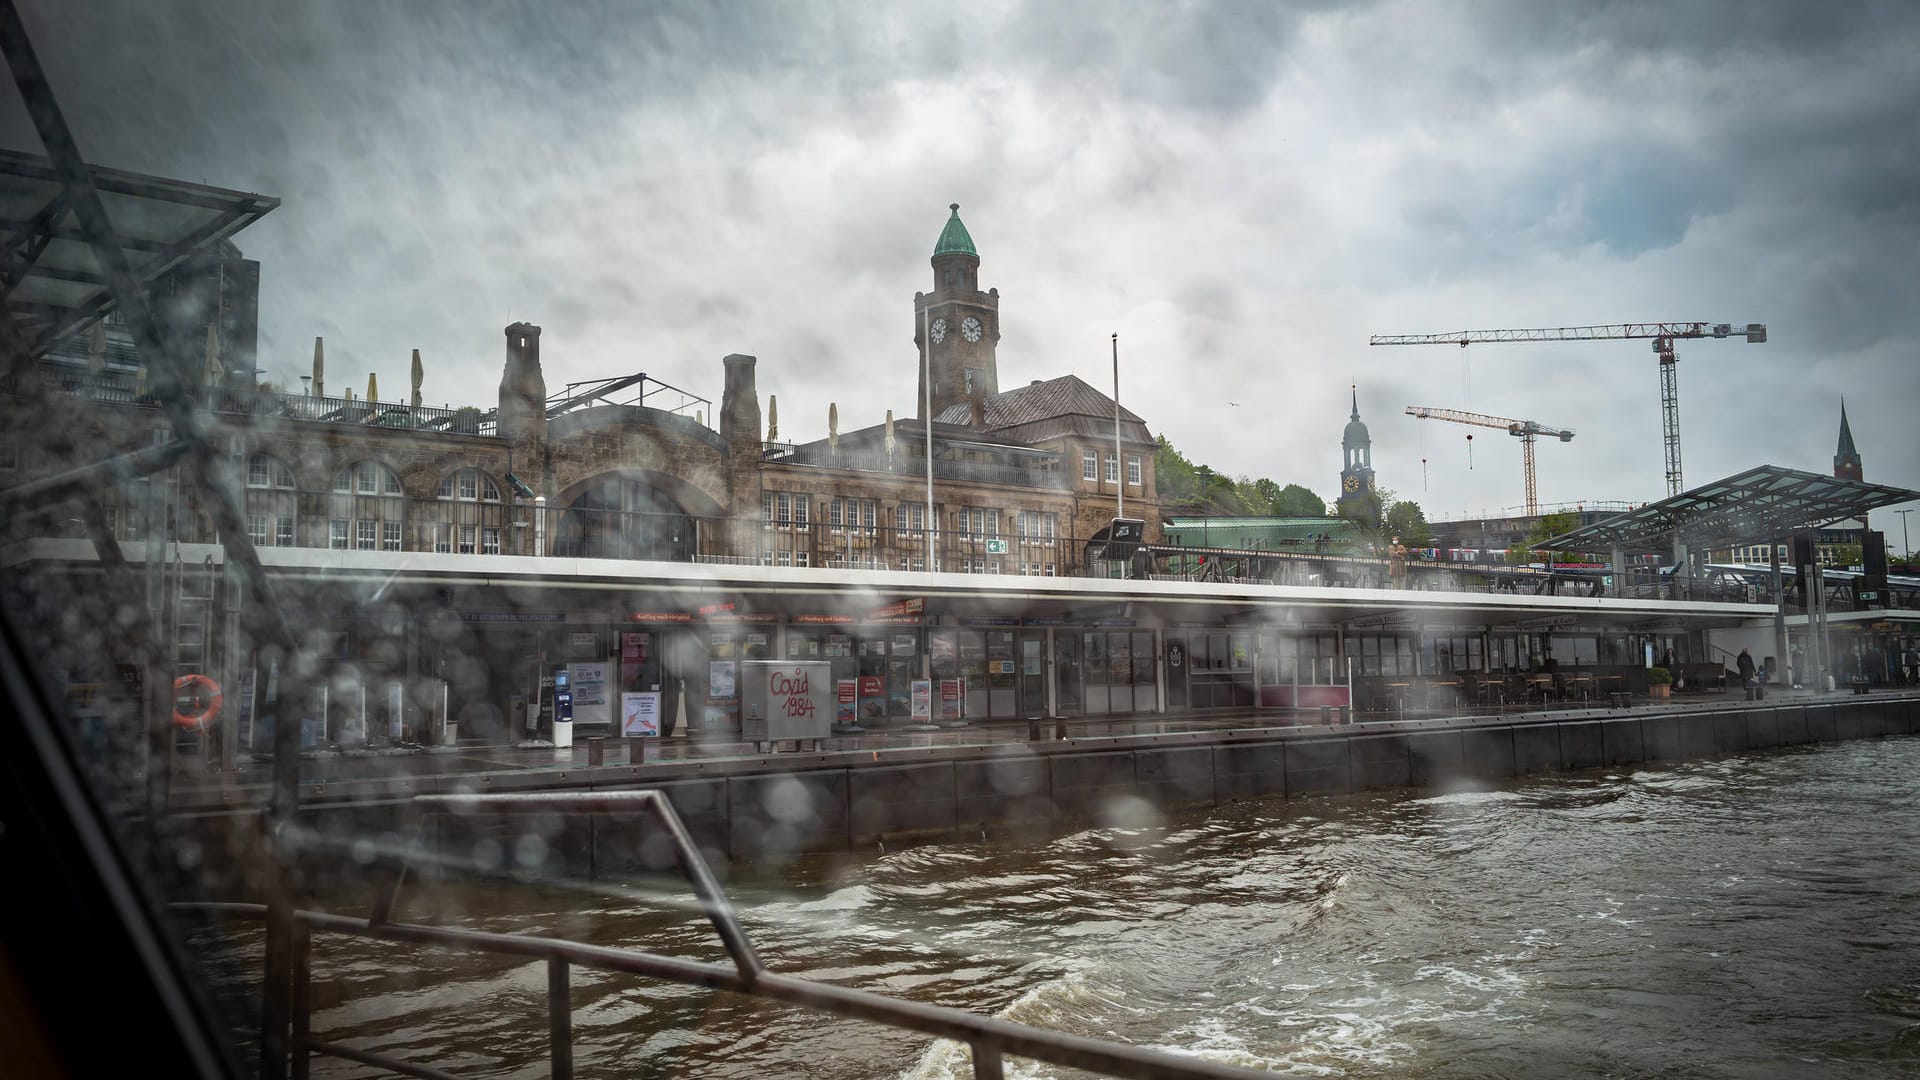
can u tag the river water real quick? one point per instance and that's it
(1746, 917)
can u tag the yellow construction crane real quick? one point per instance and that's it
(1663, 335)
(1524, 430)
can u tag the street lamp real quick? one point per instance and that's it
(1906, 549)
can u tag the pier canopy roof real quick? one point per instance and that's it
(55, 287)
(1762, 503)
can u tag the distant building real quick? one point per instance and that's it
(1260, 533)
(1492, 537)
(1356, 470)
(1022, 479)
(1833, 546)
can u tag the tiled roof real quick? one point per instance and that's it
(1067, 395)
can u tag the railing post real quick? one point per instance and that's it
(559, 1018)
(986, 1062)
(300, 1003)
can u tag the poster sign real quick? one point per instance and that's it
(846, 698)
(640, 714)
(589, 683)
(903, 644)
(722, 680)
(902, 610)
(950, 699)
(999, 667)
(922, 700)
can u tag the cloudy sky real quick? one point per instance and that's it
(1243, 191)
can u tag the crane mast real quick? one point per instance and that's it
(1524, 430)
(1663, 335)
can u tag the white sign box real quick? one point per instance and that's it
(786, 700)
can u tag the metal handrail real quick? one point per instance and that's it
(989, 1039)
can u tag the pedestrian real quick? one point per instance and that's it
(1397, 566)
(1745, 663)
(1666, 658)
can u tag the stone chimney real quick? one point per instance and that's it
(740, 403)
(740, 429)
(523, 389)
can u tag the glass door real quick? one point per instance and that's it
(1033, 673)
(1066, 672)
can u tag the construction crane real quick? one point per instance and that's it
(1524, 430)
(1663, 335)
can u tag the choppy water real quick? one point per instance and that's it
(1749, 917)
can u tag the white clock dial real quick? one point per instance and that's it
(970, 328)
(938, 330)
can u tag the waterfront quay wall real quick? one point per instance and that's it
(776, 807)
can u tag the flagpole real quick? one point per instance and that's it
(926, 425)
(1119, 477)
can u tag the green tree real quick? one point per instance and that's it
(1197, 489)
(1366, 512)
(1546, 528)
(1407, 521)
(1296, 501)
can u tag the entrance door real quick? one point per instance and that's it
(1066, 672)
(1176, 673)
(1033, 672)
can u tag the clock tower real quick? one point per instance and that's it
(1356, 474)
(956, 323)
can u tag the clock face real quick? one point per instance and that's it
(970, 328)
(1352, 483)
(938, 330)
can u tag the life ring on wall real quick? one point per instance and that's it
(201, 692)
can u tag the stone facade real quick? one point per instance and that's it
(1019, 476)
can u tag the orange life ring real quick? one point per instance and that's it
(200, 691)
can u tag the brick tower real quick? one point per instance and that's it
(956, 323)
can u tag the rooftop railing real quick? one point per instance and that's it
(119, 389)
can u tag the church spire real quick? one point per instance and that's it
(1846, 458)
(1356, 400)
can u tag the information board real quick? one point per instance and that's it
(640, 714)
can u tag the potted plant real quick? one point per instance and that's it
(1659, 682)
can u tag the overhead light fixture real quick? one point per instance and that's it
(520, 487)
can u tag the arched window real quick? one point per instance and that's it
(273, 506)
(470, 520)
(623, 518)
(368, 509)
(469, 485)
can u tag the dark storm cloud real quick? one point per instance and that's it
(1243, 190)
(1214, 56)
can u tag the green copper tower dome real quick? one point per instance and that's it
(954, 239)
